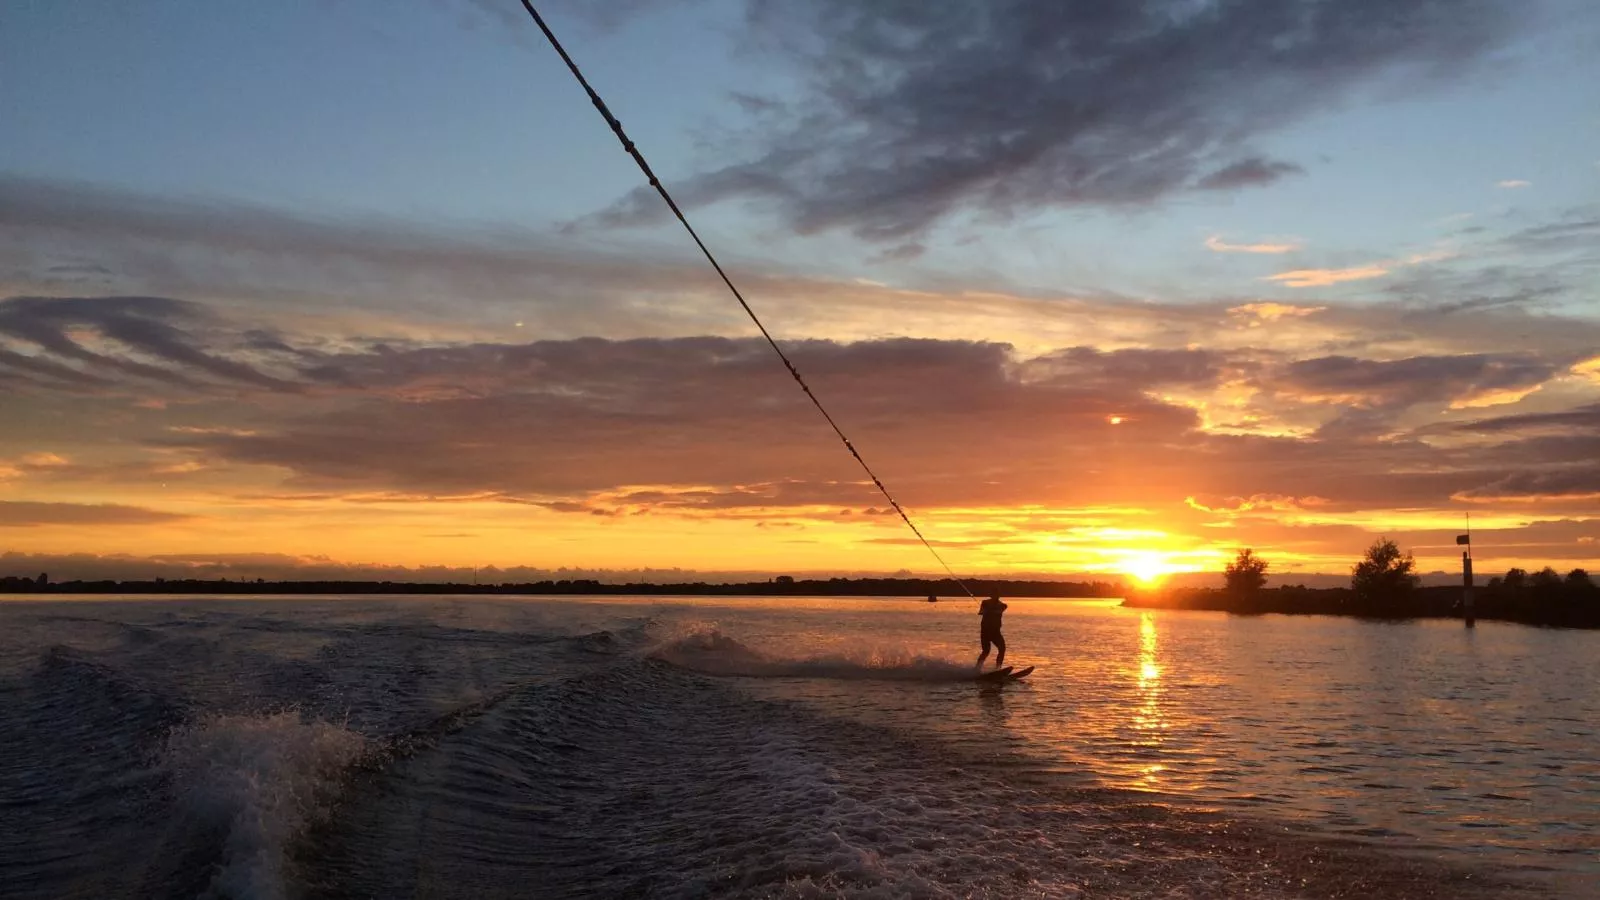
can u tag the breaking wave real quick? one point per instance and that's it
(259, 781)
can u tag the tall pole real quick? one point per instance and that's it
(1466, 574)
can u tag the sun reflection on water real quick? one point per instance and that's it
(1149, 720)
(1149, 671)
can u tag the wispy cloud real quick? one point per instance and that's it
(1217, 244)
(1465, 381)
(1300, 278)
(1417, 259)
(1270, 312)
(1512, 183)
(26, 514)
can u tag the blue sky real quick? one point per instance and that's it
(428, 109)
(455, 112)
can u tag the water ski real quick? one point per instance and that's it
(1004, 674)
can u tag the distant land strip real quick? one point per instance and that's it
(1567, 607)
(781, 586)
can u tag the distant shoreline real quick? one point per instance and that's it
(1575, 609)
(1562, 608)
(915, 588)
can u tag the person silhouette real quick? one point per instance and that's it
(989, 631)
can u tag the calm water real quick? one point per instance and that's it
(695, 748)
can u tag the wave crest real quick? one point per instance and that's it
(708, 651)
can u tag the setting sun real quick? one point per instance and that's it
(1148, 567)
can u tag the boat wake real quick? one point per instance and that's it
(203, 755)
(710, 652)
(259, 781)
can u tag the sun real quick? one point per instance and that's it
(1146, 572)
(1147, 567)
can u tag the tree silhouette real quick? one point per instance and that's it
(1546, 579)
(1579, 579)
(1246, 574)
(1384, 574)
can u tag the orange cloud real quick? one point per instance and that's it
(1216, 244)
(1256, 503)
(1494, 397)
(1324, 277)
(1269, 312)
(30, 462)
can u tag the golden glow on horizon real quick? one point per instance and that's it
(208, 517)
(1115, 420)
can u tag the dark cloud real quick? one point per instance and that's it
(25, 368)
(1132, 369)
(902, 252)
(1580, 482)
(24, 514)
(918, 110)
(715, 426)
(1583, 418)
(154, 328)
(567, 421)
(1252, 172)
(1367, 383)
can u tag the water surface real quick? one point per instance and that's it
(472, 747)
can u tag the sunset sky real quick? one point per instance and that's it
(1096, 288)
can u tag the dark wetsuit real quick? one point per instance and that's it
(989, 632)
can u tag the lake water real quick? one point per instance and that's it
(475, 747)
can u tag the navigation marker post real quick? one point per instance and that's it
(1466, 574)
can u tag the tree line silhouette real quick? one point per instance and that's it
(1384, 585)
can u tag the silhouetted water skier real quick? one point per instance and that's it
(989, 630)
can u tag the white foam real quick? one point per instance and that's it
(708, 651)
(262, 780)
